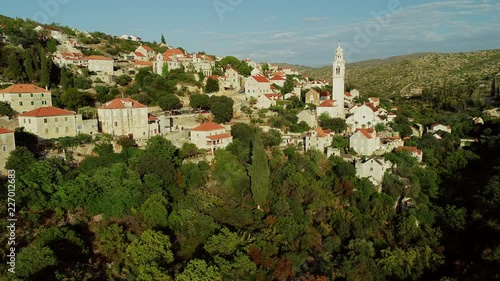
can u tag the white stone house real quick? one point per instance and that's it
(100, 64)
(373, 168)
(364, 116)
(440, 127)
(210, 136)
(312, 97)
(62, 59)
(7, 145)
(146, 51)
(278, 80)
(52, 122)
(26, 97)
(256, 86)
(124, 117)
(414, 151)
(318, 139)
(233, 79)
(365, 141)
(267, 100)
(309, 117)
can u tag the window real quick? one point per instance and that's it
(46, 131)
(65, 118)
(44, 102)
(43, 95)
(32, 103)
(24, 121)
(31, 95)
(4, 148)
(20, 103)
(45, 120)
(29, 121)
(116, 124)
(57, 129)
(56, 119)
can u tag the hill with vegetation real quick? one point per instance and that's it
(404, 75)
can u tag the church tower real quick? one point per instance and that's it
(338, 82)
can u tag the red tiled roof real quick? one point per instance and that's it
(119, 103)
(410, 149)
(209, 126)
(213, 77)
(151, 117)
(219, 137)
(5, 131)
(372, 106)
(147, 48)
(325, 94)
(71, 55)
(327, 103)
(171, 52)
(260, 79)
(46, 112)
(347, 94)
(23, 88)
(277, 78)
(271, 96)
(366, 132)
(139, 54)
(95, 57)
(391, 114)
(320, 133)
(147, 63)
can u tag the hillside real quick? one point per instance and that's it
(402, 74)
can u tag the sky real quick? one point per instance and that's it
(289, 31)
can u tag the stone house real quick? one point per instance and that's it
(26, 97)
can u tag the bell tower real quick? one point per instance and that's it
(338, 82)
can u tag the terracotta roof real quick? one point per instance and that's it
(347, 94)
(46, 112)
(391, 114)
(147, 48)
(214, 77)
(320, 133)
(368, 133)
(277, 78)
(372, 106)
(410, 149)
(5, 131)
(139, 54)
(171, 52)
(271, 96)
(219, 137)
(23, 88)
(71, 55)
(327, 103)
(260, 79)
(120, 103)
(209, 126)
(147, 63)
(95, 57)
(151, 117)
(325, 94)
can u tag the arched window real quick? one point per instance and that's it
(338, 70)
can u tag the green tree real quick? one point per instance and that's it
(223, 112)
(20, 160)
(125, 142)
(33, 261)
(150, 255)
(164, 70)
(45, 69)
(340, 142)
(199, 101)
(288, 86)
(15, 71)
(259, 172)
(154, 211)
(169, 102)
(198, 270)
(163, 41)
(28, 66)
(5, 109)
(212, 85)
(123, 80)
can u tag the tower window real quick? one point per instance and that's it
(338, 70)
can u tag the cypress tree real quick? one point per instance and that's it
(259, 172)
(45, 71)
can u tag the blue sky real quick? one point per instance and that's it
(292, 31)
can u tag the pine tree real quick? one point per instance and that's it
(163, 39)
(259, 172)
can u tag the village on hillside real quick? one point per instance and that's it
(329, 118)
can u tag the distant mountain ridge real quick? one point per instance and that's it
(401, 74)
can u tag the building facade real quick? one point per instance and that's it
(26, 97)
(7, 145)
(210, 136)
(124, 117)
